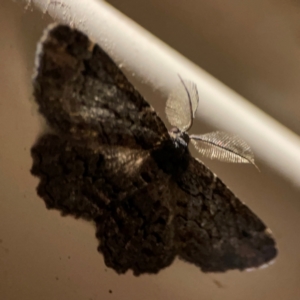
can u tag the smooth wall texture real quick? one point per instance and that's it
(46, 256)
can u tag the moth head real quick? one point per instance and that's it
(181, 138)
(180, 109)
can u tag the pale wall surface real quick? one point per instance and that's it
(45, 256)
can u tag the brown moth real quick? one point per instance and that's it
(111, 160)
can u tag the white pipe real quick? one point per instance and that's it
(157, 65)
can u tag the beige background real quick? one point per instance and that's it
(251, 45)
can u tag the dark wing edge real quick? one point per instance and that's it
(66, 177)
(215, 230)
(83, 94)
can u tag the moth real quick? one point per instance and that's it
(110, 159)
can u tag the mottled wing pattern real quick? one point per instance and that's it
(124, 192)
(215, 230)
(83, 94)
(97, 164)
(110, 159)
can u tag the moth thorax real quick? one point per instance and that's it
(181, 138)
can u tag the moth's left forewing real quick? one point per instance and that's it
(215, 230)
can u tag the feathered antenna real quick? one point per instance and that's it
(180, 110)
(182, 104)
(223, 146)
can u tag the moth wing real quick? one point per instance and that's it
(121, 189)
(84, 95)
(215, 230)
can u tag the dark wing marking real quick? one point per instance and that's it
(83, 94)
(214, 229)
(67, 177)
